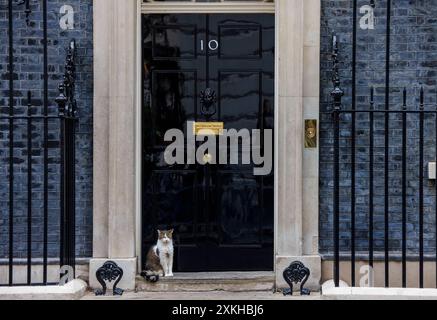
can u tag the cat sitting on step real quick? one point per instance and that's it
(159, 261)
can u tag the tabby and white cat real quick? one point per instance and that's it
(159, 261)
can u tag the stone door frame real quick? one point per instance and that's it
(117, 131)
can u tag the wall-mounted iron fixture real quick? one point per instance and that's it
(66, 100)
(338, 93)
(27, 9)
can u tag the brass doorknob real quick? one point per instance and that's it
(207, 158)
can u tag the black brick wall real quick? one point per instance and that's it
(414, 63)
(28, 51)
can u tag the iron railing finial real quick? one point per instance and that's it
(66, 100)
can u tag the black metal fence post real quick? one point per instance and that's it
(371, 177)
(353, 140)
(11, 142)
(387, 144)
(68, 117)
(61, 100)
(421, 187)
(29, 188)
(46, 139)
(337, 95)
(404, 190)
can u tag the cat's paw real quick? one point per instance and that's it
(170, 275)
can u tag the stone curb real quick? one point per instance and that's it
(348, 293)
(74, 290)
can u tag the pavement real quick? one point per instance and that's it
(212, 295)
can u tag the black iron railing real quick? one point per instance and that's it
(40, 146)
(388, 130)
(407, 115)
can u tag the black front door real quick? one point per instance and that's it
(222, 214)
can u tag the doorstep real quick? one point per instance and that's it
(211, 281)
(197, 296)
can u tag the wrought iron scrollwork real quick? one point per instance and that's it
(110, 272)
(338, 93)
(67, 107)
(66, 100)
(294, 274)
(208, 99)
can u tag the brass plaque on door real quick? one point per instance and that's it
(208, 128)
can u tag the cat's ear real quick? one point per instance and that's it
(159, 232)
(171, 231)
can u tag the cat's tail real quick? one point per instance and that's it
(150, 276)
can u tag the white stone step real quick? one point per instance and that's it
(211, 281)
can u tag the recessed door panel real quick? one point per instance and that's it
(240, 41)
(240, 109)
(173, 100)
(222, 214)
(174, 42)
(240, 203)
